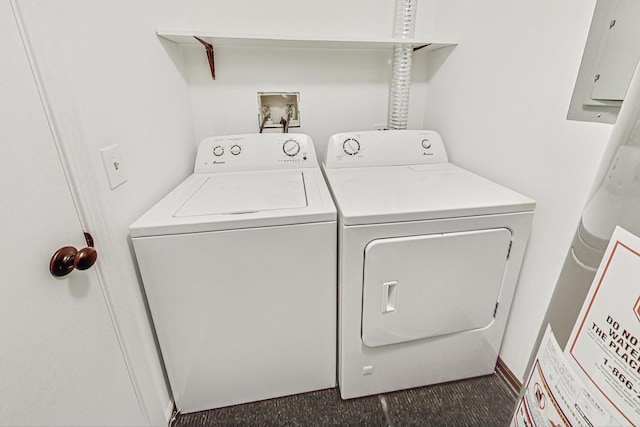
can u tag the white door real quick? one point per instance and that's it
(60, 360)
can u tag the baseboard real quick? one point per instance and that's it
(509, 377)
(169, 412)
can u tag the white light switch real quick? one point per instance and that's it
(113, 164)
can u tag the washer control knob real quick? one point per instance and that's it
(351, 146)
(291, 147)
(426, 144)
(218, 150)
(235, 149)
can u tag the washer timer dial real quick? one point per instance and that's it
(235, 149)
(291, 147)
(426, 144)
(351, 146)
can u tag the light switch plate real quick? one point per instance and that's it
(113, 165)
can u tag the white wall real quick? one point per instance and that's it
(120, 87)
(340, 90)
(120, 84)
(500, 99)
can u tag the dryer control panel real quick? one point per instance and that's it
(385, 148)
(263, 151)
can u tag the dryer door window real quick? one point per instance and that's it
(425, 286)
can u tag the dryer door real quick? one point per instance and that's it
(424, 286)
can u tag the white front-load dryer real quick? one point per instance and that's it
(239, 268)
(428, 259)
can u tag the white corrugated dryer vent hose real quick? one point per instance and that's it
(404, 28)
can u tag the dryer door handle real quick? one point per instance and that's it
(389, 296)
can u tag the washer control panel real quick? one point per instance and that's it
(385, 148)
(261, 151)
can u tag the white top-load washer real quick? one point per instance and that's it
(239, 268)
(429, 256)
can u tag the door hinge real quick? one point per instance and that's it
(495, 309)
(89, 239)
(509, 250)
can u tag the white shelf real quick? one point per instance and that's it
(270, 41)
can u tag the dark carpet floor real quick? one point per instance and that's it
(483, 401)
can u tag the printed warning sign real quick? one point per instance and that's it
(554, 397)
(604, 347)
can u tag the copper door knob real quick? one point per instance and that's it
(68, 258)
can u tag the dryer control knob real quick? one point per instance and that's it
(291, 147)
(351, 146)
(218, 150)
(426, 144)
(235, 149)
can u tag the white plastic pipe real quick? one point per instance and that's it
(614, 200)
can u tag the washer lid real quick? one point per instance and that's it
(235, 200)
(248, 192)
(372, 195)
